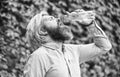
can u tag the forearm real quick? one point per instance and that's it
(100, 38)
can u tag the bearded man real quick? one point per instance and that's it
(53, 58)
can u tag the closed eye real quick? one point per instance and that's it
(51, 18)
(59, 22)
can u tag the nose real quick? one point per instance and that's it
(58, 19)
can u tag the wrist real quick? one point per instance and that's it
(86, 25)
(91, 24)
(95, 30)
(65, 19)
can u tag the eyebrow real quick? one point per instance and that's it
(44, 14)
(58, 21)
(49, 18)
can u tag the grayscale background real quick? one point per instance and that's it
(15, 15)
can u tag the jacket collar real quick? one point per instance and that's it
(53, 45)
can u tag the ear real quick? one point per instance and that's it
(43, 12)
(43, 30)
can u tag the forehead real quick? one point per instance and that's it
(47, 17)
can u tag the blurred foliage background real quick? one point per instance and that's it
(15, 15)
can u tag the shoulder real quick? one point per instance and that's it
(69, 45)
(39, 52)
(72, 45)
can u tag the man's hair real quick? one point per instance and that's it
(36, 36)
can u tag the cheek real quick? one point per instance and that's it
(65, 29)
(51, 24)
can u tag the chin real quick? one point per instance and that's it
(61, 34)
(66, 33)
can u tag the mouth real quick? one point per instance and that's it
(59, 22)
(65, 29)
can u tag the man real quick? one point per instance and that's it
(53, 58)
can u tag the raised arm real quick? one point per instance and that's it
(100, 45)
(101, 42)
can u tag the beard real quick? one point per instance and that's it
(60, 34)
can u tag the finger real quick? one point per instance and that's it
(67, 12)
(84, 13)
(79, 10)
(92, 13)
(90, 16)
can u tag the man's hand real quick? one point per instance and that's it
(83, 17)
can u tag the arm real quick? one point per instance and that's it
(100, 46)
(101, 42)
(34, 67)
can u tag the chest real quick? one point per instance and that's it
(62, 65)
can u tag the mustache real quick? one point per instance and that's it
(59, 22)
(64, 29)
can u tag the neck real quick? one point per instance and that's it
(58, 44)
(54, 44)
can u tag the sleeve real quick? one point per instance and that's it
(100, 45)
(34, 67)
